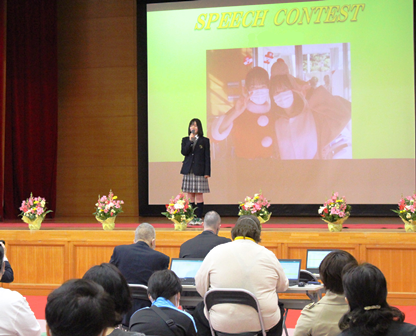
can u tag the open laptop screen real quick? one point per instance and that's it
(314, 259)
(291, 267)
(185, 268)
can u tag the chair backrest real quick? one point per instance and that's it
(232, 296)
(306, 276)
(139, 292)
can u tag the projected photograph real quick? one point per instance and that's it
(283, 102)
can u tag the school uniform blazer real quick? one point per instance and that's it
(198, 160)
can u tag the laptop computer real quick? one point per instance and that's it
(314, 258)
(291, 267)
(186, 269)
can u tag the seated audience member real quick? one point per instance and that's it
(8, 275)
(114, 283)
(79, 307)
(138, 261)
(321, 318)
(244, 264)
(164, 291)
(16, 317)
(200, 245)
(365, 288)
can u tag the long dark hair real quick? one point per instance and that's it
(365, 288)
(198, 123)
(114, 283)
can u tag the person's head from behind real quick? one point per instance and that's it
(365, 286)
(331, 269)
(164, 284)
(247, 226)
(365, 289)
(257, 85)
(147, 233)
(196, 126)
(2, 263)
(212, 221)
(114, 283)
(79, 307)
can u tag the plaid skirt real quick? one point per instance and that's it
(194, 184)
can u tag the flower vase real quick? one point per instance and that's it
(108, 224)
(337, 225)
(33, 224)
(182, 225)
(262, 220)
(409, 226)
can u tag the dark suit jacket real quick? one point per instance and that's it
(200, 245)
(8, 275)
(199, 159)
(138, 261)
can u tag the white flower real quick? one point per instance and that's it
(408, 216)
(249, 204)
(42, 203)
(179, 204)
(321, 209)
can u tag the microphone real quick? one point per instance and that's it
(193, 131)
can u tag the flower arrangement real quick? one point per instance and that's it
(107, 207)
(335, 210)
(407, 208)
(33, 207)
(33, 211)
(179, 211)
(256, 206)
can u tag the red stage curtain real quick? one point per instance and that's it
(2, 94)
(31, 103)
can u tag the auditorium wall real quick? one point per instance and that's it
(97, 123)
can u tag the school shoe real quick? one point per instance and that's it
(196, 221)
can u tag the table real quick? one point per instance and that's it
(314, 292)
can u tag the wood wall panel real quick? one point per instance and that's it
(397, 264)
(90, 9)
(42, 263)
(44, 259)
(97, 92)
(97, 42)
(82, 196)
(88, 255)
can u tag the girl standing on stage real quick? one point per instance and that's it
(196, 167)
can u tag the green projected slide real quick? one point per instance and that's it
(352, 65)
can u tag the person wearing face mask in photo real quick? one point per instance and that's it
(249, 123)
(309, 121)
(164, 290)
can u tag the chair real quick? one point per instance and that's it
(233, 296)
(139, 292)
